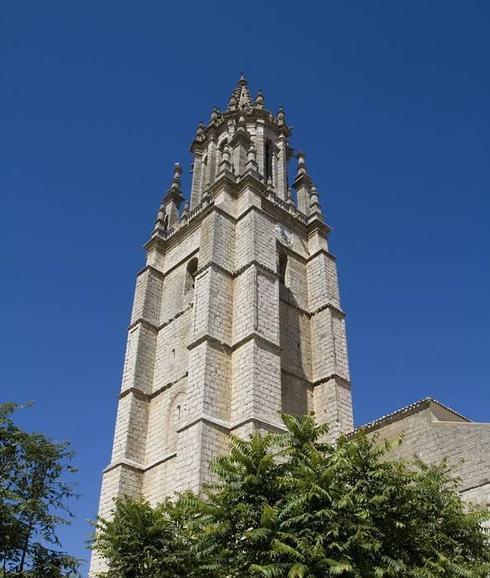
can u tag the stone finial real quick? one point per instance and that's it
(252, 159)
(302, 170)
(200, 131)
(185, 210)
(269, 184)
(240, 98)
(315, 207)
(215, 114)
(176, 177)
(281, 116)
(259, 100)
(225, 164)
(241, 123)
(289, 196)
(314, 196)
(161, 223)
(232, 103)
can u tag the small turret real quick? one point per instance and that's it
(225, 165)
(303, 184)
(259, 100)
(315, 207)
(168, 213)
(215, 114)
(281, 117)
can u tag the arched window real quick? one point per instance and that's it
(268, 161)
(282, 265)
(190, 274)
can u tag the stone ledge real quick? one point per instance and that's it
(264, 268)
(229, 427)
(259, 420)
(145, 396)
(302, 378)
(140, 468)
(124, 462)
(176, 316)
(310, 314)
(152, 269)
(216, 267)
(210, 420)
(153, 327)
(321, 252)
(145, 323)
(161, 461)
(211, 340)
(344, 382)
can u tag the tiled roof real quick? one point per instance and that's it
(406, 411)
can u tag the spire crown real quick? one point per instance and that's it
(240, 98)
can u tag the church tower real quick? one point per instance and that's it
(236, 314)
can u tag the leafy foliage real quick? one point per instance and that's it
(294, 506)
(32, 498)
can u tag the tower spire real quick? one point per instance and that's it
(240, 97)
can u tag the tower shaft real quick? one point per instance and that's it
(236, 315)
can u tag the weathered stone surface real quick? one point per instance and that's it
(237, 317)
(433, 432)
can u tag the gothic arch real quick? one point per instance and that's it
(190, 274)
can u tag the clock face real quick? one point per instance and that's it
(284, 235)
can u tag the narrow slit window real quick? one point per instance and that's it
(268, 161)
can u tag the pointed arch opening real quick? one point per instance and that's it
(190, 275)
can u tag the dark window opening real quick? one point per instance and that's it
(268, 161)
(190, 276)
(282, 266)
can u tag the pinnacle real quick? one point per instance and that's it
(240, 97)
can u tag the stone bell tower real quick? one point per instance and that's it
(236, 315)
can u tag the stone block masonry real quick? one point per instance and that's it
(236, 315)
(237, 318)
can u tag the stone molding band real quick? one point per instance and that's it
(229, 427)
(213, 208)
(152, 326)
(145, 396)
(211, 340)
(140, 468)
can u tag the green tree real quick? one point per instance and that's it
(142, 541)
(293, 506)
(33, 496)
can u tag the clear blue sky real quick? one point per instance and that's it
(390, 101)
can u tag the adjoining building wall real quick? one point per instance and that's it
(434, 432)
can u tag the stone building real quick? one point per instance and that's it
(237, 317)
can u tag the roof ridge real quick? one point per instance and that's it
(408, 409)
